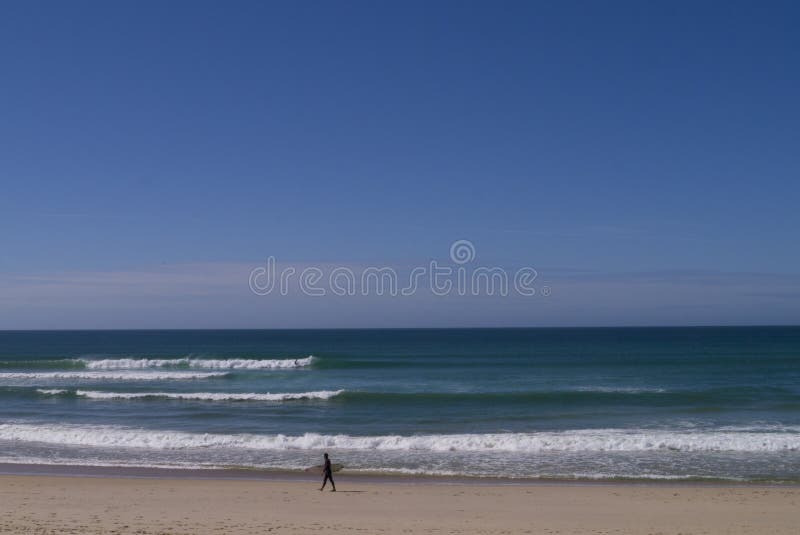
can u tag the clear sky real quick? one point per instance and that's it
(644, 157)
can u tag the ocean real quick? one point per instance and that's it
(699, 403)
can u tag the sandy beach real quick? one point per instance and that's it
(94, 505)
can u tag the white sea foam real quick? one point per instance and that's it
(227, 364)
(510, 480)
(210, 396)
(598, 440)
(131, 364)
(51, 392)
(545, 477)
(111, 376)
(620, 389)
(249, 364)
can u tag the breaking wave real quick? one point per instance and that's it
(203, 396)
(227, 364)
(603, 440)
(111, 376)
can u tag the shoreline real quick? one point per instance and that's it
(285, 475)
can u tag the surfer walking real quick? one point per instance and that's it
(327, 473)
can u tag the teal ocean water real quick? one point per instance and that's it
(644, 403)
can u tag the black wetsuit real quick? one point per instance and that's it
(328, 473)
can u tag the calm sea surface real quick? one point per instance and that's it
(660, 403)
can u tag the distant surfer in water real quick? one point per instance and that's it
(327, 472)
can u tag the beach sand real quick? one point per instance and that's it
(89, 505)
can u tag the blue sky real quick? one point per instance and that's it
(642, 156)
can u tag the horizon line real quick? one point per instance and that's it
(565, 327)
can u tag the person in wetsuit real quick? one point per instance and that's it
(327, 472)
